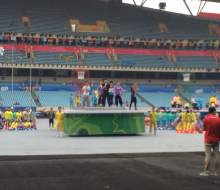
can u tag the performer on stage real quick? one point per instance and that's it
(133, 96)
(85, 94)
(110, 94)
(100, 92)
(105, 92)
(77, 100)
(118, 90)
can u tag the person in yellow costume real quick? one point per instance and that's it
(193, 120)
(27, 124)
(179, 102)
(8, 115)
(153, 121)
(187, 105)
(18, 115)
(59, 121)
(213, 101)
(187, 122)
(77, 100)
(14, 125)
(181, 125)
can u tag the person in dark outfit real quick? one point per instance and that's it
(100, 92)
(110, 94)
(105, 90)
(133, 96)
(51, 116)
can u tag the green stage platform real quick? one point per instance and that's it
(103, 122)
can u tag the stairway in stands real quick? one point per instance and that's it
(145, 100)
(36, 99)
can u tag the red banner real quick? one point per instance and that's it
(108, 51)
(214, 16)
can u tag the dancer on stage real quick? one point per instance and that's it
(133, 96)
(86, 91)
(118, 90)
(105, 92)
(100, 92)
(110, 94)
(77, 100)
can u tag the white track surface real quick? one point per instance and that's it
(44, 141)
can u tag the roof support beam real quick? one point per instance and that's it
(199, 8)
(143, 2)
(203, 6)
(134, 2)
(187, 6)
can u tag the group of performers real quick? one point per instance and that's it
(183, 121)
(17, 120)
(194, 102)
(106, 92)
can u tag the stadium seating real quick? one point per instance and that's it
(17, 98)
(196, 61)
(96, 59)
(14, 57)
(54, 58)
(125, 20)
(142, 60)
(159, 99)
(39, 57)
(51, 98)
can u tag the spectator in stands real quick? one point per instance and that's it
(212, 138)
(86, 89)
(51, 116)
(118, 90)
(134, 89)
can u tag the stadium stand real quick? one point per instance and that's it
(97, 59)
(54, 58)
(142, 60)
(124, 20)
(54, 99)
(195, 61)
(17, 98)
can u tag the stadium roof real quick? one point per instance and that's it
(181, 6)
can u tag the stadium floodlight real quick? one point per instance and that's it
(162, 5)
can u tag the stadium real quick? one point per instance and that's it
(125, 89)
